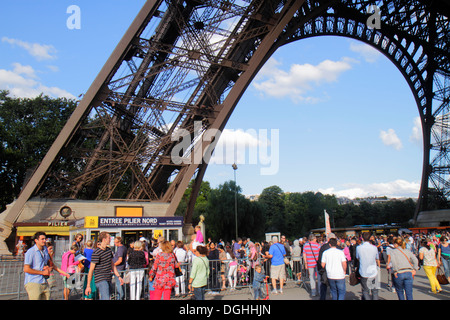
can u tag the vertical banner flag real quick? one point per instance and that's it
(327, 223)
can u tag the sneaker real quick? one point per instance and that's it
(281, 291)
(274, 291)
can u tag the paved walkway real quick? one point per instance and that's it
(295, 292)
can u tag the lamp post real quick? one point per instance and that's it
(234, 166)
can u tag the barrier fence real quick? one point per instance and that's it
(221, 279)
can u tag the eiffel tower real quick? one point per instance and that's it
(184, 64)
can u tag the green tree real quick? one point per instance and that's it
(273, 206)
(220, 217)
(201, 202)
(28, 128)
(295, 209)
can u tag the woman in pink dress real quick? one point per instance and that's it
(163, 272)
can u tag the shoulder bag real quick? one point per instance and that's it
(407, 259)
(286, 260)
(321, 271)
(177, 269)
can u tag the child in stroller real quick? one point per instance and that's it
(243, 274)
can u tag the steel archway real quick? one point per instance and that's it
(420, 54)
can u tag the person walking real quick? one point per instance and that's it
(296, 260)
(310, 257)
(163, 272)
(430, 265)
(78, 242)
(198, 279)
(181, 255)
(389, 248)
(277, 268)
(335, 264)
(404, 266)
(37, 267)
(69, 265)
(444, 256)
(103, 267)
(369, 264)
(120, 261)
(136, 265)
(232, 269)
(88, 251)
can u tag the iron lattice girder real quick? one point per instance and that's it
(179, 63)
(134, 109)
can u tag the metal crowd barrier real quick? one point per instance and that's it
(12, 278)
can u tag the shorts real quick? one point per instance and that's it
(38, 291)
(278, 272)
(67, 283)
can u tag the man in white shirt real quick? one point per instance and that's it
(335, 263)
(369, 263)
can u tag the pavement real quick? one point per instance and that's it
(293, 291)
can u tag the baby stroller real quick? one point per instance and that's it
(243, 275)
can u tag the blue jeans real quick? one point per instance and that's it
(404, 285)
(446, 264)
(104, 289)
(337, 288)
(257, 292)
(119, 288)
(199, 293)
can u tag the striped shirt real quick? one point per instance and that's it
(311, 250)
(103, 264)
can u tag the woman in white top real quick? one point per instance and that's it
(232, 268)
(430, 264)
(181, 255)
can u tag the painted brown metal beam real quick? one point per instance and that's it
(93, 96)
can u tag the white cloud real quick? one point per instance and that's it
(299, 80)
(393, 189)
(38, 51)
(235, 145)
(416, 134)
(25, 70)
(23, 82)
(369, 53)
(390, 138)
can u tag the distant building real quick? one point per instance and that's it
(253, 197)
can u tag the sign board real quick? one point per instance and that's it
(140, 222)
(91, 222)
(157, 234)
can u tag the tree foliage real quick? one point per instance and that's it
(28, 127)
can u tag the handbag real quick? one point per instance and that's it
(441, 278)
(353, 280)
(177, 269)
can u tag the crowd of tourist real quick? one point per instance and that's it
(174, 268)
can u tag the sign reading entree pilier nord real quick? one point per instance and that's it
(109, 222)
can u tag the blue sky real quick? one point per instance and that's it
(346, 120)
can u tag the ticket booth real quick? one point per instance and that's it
(129, 228)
